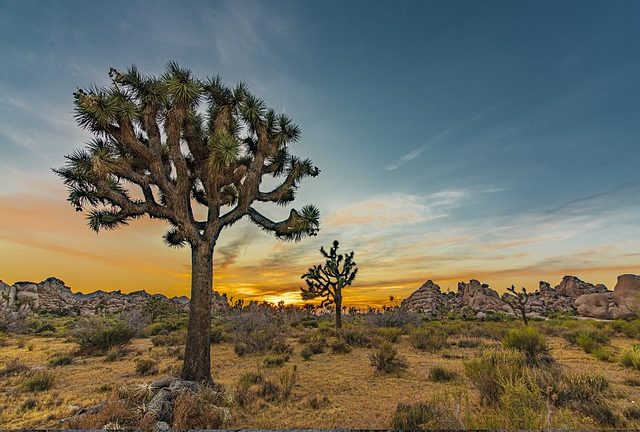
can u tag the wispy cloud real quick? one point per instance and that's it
(441, 136)
(397, 209)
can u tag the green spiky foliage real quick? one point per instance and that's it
(327, 280)
(164, 145)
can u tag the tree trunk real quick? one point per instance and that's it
(338, 302)
(197, 353)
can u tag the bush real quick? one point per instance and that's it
(314, 344)
(423, 416)
(98, 335)
(356, 338)
(217, 334)
(587, 394)
(493, 367)
(146, 366)
(340, 346)
(175, 338)
(116, 354)
(386, 359)
(38, 381)
(440, 374)
(632, 412)
(61, 359)
(528, 341)
(13, 367)
(428, 339)
(393, 317)
(306, 352)
(257, 331)
(469, 343)
(275, 361)
(631, 357)
(390, 334)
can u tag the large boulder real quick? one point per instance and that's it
(573, 287)
(479, 297)
(626, 296)
(427, 300)
(595, 305)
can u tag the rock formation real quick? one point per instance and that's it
(570, 296)
(626, 296)
(52, 296)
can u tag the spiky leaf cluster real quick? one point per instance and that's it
(326, 280)
(164, 143)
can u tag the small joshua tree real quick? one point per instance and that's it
(327, 280)
(517, 301)
(192, 153)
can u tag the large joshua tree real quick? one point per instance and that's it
(327, 280)
(193, 153)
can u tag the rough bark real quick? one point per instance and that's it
(197, 355)
(338, 301)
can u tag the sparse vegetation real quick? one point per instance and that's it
(61, 359)
(386, 359)
(428, 339)
(440, 374)
(529, 342)
(98, 335)
(38, 381)
(146, 366)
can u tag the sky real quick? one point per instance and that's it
(494, 140)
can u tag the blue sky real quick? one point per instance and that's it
(462, 138)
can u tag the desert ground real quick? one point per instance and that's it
(337, 387)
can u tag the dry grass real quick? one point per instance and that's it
(359, 397)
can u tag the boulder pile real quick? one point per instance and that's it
(53, 296)
(570, 296)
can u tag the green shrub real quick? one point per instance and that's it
(440, 374)
(217, 334)
(587, 394)
(529, 342)
(116, 354)
(178, 337)
(493, 367)
(630, 329)
(306, 352)
(428, 339)
(275, 360)
(340, 346)
(61, 359)
(390, 334)
(386, 359)
(587, 342)
(98, 335)
(631, 357)
(146, 366)
(604, 353)
(469, 343)
(423, 416)
(356, 338)
(38, 381)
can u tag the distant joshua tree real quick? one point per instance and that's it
(190, 152)
(518, 301)
(327, 280)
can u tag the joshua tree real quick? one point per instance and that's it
(517, 301)
(327, 280)
(193, 153)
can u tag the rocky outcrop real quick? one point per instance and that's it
(570, 296)
(53, 296)
(427, 299)
(626, 296)
(480, 298)
(571, 286)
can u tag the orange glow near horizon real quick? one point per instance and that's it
(34, 246)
